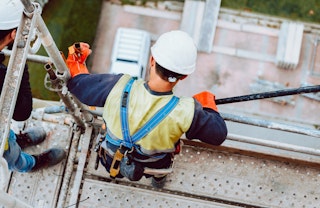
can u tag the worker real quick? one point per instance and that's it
(10, 17)
(144, 119)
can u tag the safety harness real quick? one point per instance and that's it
(128, 144)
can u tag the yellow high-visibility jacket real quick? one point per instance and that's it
(142, 106)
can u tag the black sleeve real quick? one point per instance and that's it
(93, 89)
(207, 125)
(23, 106)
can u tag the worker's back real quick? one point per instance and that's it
(167, 133)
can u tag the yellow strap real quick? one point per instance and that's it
(6, 146)
(115, 165)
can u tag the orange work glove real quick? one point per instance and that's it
(77, 56)
(207, 100)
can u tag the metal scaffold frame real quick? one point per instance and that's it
(32, 24)
(58, 74)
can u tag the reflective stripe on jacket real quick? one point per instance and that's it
(142, 106)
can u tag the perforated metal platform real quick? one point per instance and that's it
(104, 194)
(202, 177)
(41, 188)
(220, 176)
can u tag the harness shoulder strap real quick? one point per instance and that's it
(124, 114)
(128, 140)
(155, 120)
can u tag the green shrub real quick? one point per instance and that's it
(68, 22)
(307, 11)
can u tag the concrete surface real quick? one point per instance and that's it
(252, 50)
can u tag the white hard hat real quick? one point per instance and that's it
(176, 52)
(10, 14)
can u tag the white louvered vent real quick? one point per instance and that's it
(289, 45)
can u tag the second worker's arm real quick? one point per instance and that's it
(23, 105)
(90, 89)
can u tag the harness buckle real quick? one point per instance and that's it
(115, 165)
(121, 152)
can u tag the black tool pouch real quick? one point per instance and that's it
(131, 169)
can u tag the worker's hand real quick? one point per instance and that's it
(77, 55)
(79, 52)
(206, 99)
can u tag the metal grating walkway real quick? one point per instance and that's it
(216, 176)
(202, 177)
(104, 194)
(42, 188)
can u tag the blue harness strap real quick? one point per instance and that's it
(128, 140)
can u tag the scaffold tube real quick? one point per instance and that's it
(271, 125)
(274, 144)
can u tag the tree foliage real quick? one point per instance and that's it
(68, 22)
(301, 10)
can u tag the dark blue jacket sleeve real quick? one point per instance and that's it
(23, 106)
(207, 125)
(93, 89)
